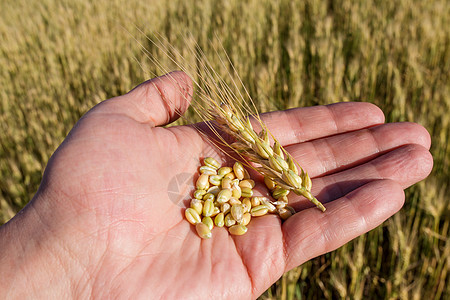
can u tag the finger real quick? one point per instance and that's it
(343, 151)
(262, 251)
(156, 102)
(303, 124)
(310, 233)
(405, 165)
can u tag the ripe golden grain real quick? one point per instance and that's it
(203, 230)
(246, 218)
(234, 201)
(224, 195)
(202, 182)
(238, 229)
(199, 194)
(259, 210)
(247, 183)
(219, 220)
(215, 179)
(211, 162)
(238, 169)
(208, 208)
(224, 171)
(246, 192)
(225, 208)
(207, 170)
(229, 202)
(229, 221)
(208, 222)
(209, 196)
(192, 216)
(237, 212)
(226, 183)
(197, 205)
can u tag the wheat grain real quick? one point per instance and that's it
(224, 171)
(225, 208)
(236, 191)
(199, 194)
(270, 184)
(203, 230)
(255, 201)
(247, 204)
(229, 221)
(219, 219)
(197, 205)
(238, 229)
(279, 192)
(230, 176)
(202, 182)
(207, 170)
(208, 222)
(212, 163)
(224, 196)
(237, 212)
(247, 192)
(215, 179)
(248, 183)
(234, 201)
(284, 213)
(238, 169)
(209, 196)
(226, 183)
(246, 218)
(214, 190)
(216, 211)
(259, 210)
(268, 204)
(208, 208)
(192, 216)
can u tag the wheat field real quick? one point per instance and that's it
(59, 58)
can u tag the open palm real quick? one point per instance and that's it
(109, 196)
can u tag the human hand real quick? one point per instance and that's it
(104, 225)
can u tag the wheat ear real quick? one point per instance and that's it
(273, 161)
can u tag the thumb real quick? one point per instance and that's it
(157, 102)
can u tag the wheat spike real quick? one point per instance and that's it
(273, 160)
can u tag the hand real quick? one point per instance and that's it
(103, 223)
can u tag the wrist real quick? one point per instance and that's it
(34, 261)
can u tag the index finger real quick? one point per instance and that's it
(298, 125)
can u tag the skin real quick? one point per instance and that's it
(103, 224)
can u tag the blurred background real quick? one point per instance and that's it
(59, 58)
